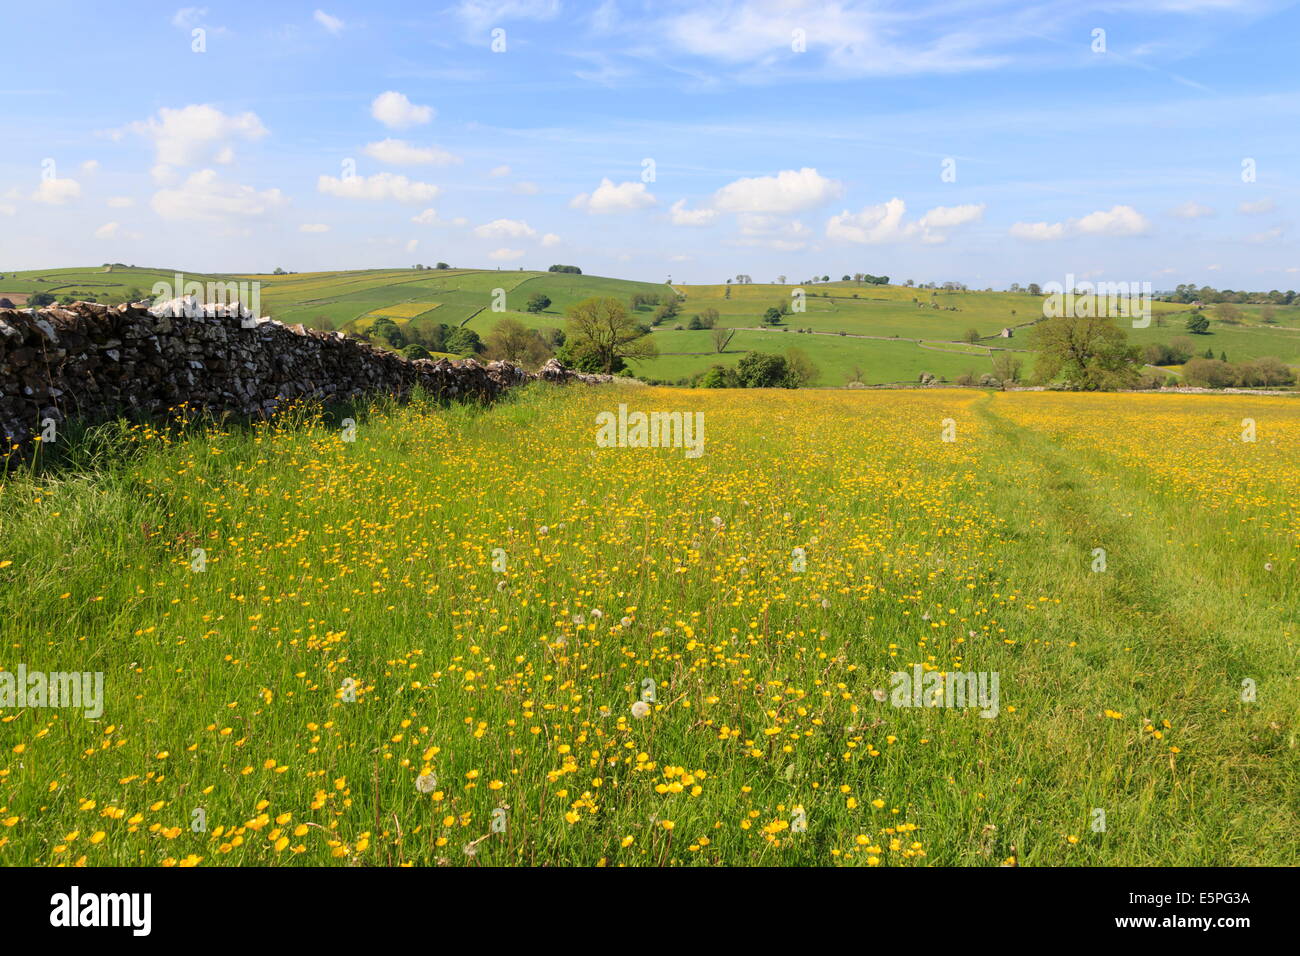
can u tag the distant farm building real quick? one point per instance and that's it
(1006, 333)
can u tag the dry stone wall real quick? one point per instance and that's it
(92, 362)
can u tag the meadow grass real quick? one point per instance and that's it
(358, 676)
(836, 358)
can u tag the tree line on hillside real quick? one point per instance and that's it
(1189, 293)
(600, 335)
(1092, 353)
(38, 300)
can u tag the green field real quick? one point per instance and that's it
(884, 334)
(837, 358)
(475, 637)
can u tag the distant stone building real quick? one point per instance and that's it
(1006, 333)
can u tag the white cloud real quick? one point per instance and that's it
(609, 198)
(187, 17)
(550, 239)
(1116, 221)
(430, 217)
(412, 244)
(679, 215)
(780, 245)
(398, 152)
(787, 191)
(505, 229)
(333, 24)
(113, 230)
(848, 38)
(1257, 208)
(90, 166)
(886, 223)
(880, 223)
(481, 14)
(771, 232)
(949, 217)
(205, 197)
(313, 227)
(754, 224)
(120, 202)
(1269, 235)
(8, 209)
(394, 110)
(163, 175)
(506, 255)
(1191, 210)
(57, 191)
(525, 188)
(1040, 231)
(197, 134)
(381, 186)
(498, 171)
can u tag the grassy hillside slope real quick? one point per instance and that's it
(875, 334)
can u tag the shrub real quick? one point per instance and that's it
(1208, 373)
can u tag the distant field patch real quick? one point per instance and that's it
(404, 310)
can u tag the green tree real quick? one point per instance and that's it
(1208, 373)
(601, 327)
(719, 376)
(1086, 352)
(763, 370)
(772, 316)
(538, 302)
(511, 341)
(1198, 324)
(386, 332)
(801, 370)
(1228, 313)
(463, 341)
(666, 312)
(1007, 367)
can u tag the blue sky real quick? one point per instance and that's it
(982, 142)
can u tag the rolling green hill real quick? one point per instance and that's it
(851, 331)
